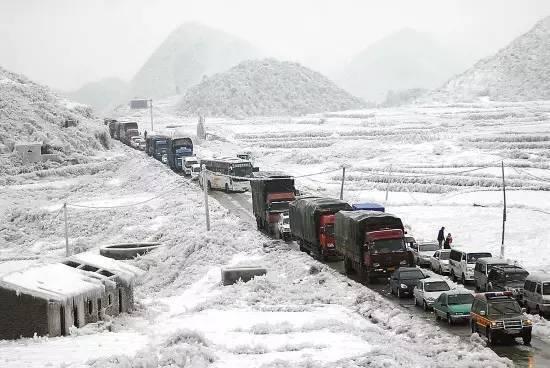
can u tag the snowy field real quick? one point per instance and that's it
(442, 160)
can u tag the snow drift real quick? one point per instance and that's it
(519, 72)
(265, 88)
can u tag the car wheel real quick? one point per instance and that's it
(472, 326)
(440, 270)
(209, 185)
(226, 188)
(425, 306)
(449, 319)
(399, 293)
(437, 317)
(463, 280)
(453, 277)
(527, 339)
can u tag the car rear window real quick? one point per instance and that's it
(436, 286)
(473, 257)
(454, 299)
(411, 275)
(428, 247)
(444, 255)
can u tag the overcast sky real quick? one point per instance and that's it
(65, 43)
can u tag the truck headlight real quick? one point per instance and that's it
(403, 286)
(527, 322)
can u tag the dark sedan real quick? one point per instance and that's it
(404, 279)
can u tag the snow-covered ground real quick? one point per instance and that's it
(301, 313)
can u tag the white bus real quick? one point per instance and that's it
(219, 170)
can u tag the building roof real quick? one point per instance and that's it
(53, 282)
(123, 270)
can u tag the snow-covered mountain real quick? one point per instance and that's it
(266, 88)
(403, 60)
(188, 54)
(30, 112)
(99, 95)
(518, 72)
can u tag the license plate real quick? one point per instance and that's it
(512, 332)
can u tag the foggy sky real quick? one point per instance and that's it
(65, 43)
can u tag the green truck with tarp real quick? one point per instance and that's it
(371, 243)
(312, 224)
(271, 194)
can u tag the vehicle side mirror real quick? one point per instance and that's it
(482, 313)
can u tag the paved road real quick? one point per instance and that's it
(534, 356)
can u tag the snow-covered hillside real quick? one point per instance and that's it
(519, 72)
(189, 53)
(30, 112)
(266, 87)
(403, 60)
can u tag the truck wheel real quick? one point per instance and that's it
(527, 339)
(348, 269)
(301, 245)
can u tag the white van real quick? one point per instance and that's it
(461, 264)
(536, 293)
(195, 171)
(482, 268)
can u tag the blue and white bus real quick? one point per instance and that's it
(227, 173)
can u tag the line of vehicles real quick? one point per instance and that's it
(373, 244)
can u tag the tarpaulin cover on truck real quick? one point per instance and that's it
(264, 183)
(351, 226)
(305, 213)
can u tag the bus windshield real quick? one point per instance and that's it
(242, 171)
(278, 206)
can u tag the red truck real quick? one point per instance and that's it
(271, 194)
(371, 243)
(312, 224)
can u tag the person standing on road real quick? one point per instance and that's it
(441, 236)
(448, 241)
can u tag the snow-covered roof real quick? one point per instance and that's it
(53, 282)
(125, 271)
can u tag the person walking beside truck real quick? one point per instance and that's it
(441, 236)
(448, 241)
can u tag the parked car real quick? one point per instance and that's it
(453, 306)
(423, 251)
(461, 264)
(498, 315)
(135, 142)
(507, 278)
(195, 171)
(439, 261)
(428, 290)
(536, 293)
(482, 268)
(404, 279)
(284, 227)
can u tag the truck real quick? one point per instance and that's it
(371, 243)
(271, 195)
(126, 130)
(177, 148)
(312, 224)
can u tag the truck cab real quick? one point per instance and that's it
(385, 251)
(326, 233)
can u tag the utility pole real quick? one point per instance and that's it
(151, 109)
(503, 212)
(342, 186)
(388, 184)
(205, 189)
(67, 250)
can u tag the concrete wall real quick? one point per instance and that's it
(22, 315)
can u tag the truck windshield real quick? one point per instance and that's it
(329, 229)
(436, 286)
(387, 245)
(473, 257)
(278, 206)
(546, 288)
(460, 299)
(190, 163)
(503, 308)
